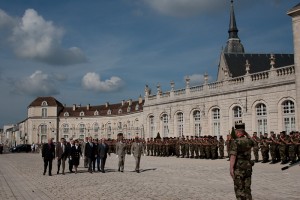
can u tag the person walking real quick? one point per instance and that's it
(48, 155)
(120, 151)
(61, 155)
(76, 154)
(240, 162)
(137, 149)
(103, 150)
(89, 152)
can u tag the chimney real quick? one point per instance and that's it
(123, 102)
(74, 107)
(140, 99)
(88, 107)
(106, 104)
(129, 102)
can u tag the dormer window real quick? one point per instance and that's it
(137, 107)
(120, 111)
(81, 114)
(96, 112)
(66, 114)
(128, 109)
(109, 112)
(44, 103)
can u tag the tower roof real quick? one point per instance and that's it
(234, 44)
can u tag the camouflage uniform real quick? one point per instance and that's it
(221, 147)
(241, 148)
(256, 141)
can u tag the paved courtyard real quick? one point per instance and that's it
(160, 178)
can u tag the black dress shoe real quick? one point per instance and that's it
(57, 172)
(50, 174)
(103, 171)
(44, 173)
(137, 171)
(122, 171)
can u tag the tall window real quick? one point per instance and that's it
(237, 115)
(44, 112)
(216, 121)
(96, 127)
(81, 128)
(43, 133)
(197, 125)
(261, 115)
(165, 128)
(288, 112)
(180, 124)
(65, 128)
(151, 125)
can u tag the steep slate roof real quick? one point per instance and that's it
(51, 101)
(258, 62)
(294, 9)
(103, 110)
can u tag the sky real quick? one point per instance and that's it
(97, 51)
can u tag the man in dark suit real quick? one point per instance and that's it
(48, 154)
(69, 147)
(61, 155)
(89, 152)
(103, 150)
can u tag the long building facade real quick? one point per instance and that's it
(260, 90)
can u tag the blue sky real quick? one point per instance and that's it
(97, 51)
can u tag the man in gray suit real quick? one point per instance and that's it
(137, 149)
(120, 151)
(61, 155)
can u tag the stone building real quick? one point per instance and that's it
(260, 90)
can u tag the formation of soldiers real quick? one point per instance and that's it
(282, 147)
(204, 147)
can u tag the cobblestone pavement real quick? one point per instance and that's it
(160, 178)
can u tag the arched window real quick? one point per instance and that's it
(137, 107)
(44, 112)
(128, 109)
(261, 117)
(152, 126)
(81, 128)
(288, 113)
(237, 115)
(165, 128)
(120, 111)
(66, 114)
(216, 121)
(180, 124)
(197, 125)
(109, 112)
(96, 127)
(81, 114)
(96, 113)
(44, 103)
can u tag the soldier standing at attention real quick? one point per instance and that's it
(240, 162)
(221, 147)
(256, 147)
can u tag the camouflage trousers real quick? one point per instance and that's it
(255, 152)
(242, 184)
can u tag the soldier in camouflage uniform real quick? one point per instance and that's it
(182, 147)
(221, 147)
(187, 147)
(177, 147)
(202, 148)
(273, 143)
(191, 145)
(264, 149)
(241, 164)
(228, 143)
(292, 148)
(214, 147)
(256, 146)
(282, 147)
(207, 147)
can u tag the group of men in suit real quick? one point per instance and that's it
(94, 152)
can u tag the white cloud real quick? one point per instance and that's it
(92, 81)
(37, 84)
(183, 8)
(32, 37)
(197, 79)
